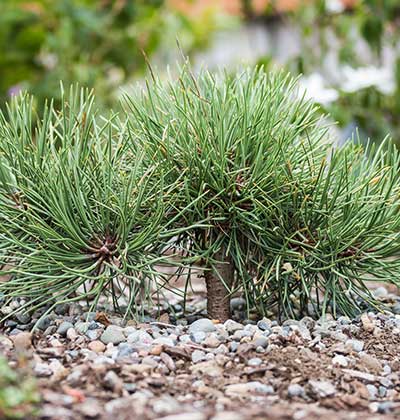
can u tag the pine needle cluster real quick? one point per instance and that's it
(232, 175)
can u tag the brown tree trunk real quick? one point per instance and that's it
(218, 300)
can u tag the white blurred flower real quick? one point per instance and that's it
(313, 87)
(362, 77)
(334, 6)
(47, 60)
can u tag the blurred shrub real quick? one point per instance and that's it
(361, 37)
(95, 43)
(18, 395)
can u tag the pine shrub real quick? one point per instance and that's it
(232, 175)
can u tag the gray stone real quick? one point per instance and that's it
(82, 327)
(261, 342)
(233, 346)
(386, 407)
(113, 381)
(356, 345)
(23, 317)
(64, 327)
(295, 390)
(164, 341)
(124, 350)
(373, 391)
(322, 388)
(264, 326)
(93, 334)
(340, 360)
(112, 334)
(232, 326)
(212, 341)
(202, 325)
(254, 362)
(62, 309)
(198, 356)
(380, 293)
(249, 388)
(238, 304)
(382, 391)
(44, 323)
(198, 337)
(140, 337)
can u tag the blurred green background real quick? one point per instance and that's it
(347, 50)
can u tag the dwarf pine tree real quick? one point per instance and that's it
(232, 174)
(286, 218)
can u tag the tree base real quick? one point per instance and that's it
(218, 296)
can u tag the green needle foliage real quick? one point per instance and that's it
(79, 215)
(285, 226)
(231, 175)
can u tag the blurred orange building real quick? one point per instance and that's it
(235, 7)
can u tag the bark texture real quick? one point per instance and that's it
(218, 299)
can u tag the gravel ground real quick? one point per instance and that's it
(89, 366)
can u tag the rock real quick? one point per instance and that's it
(113, 381)
(42, 370)
(6, 342)
(140, 337)
(202, 325)
(371, 363)
(367, 377)
(168, 361)
(221, 349)
(396, 308)
(64, 327)
(228, 415)
(382, 391)
(295, 390)
(238, 304)
(23, 317)
(372, 391)
(167, 341)
(62, 309)
(125, 350)
(82, 327)
(380, 293)
(198, 356)
(198, 337)
(209, 368)
(193, 415)
(96, 346)
(264, 326)
(322, 388)
(113, 334)
(386, 407)
(138, 368)
(90, 408)
(356, 345)
(233, 346)
(254, 362)
(249, 388)
(44, 322)
(151, 361)
(367, 324)
(156, 350)
(212, 341)
(72, 334)
(22, 341)
(261, 342)
(340, 360)
(232, 326)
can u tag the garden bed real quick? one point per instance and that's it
(89, 366)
